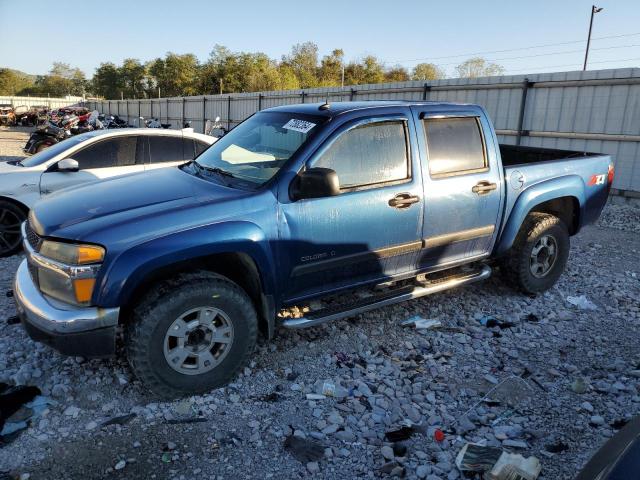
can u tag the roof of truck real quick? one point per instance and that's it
(336, 108)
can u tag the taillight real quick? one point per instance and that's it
(610, 174)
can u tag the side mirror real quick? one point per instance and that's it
(316, 183)
(68, 165)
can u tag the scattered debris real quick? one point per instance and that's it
(304, 450)
(515, 467)
(556, 447)
(438, 435)
(120, 465)
(490, 321)
(404, 433)
(477, 458)
(421, 323)
(499, 464)
(120, 420)
(315, 396)
(579, 385)
(176, 421)
(19, 407)
(328, 389)
(582, 303)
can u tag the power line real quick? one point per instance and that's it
(574, 64)
(547, 54)
(513, 49)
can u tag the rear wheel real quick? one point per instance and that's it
(11, 217)
(191, 335)
(539, 253)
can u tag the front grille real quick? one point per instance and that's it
(32, 237)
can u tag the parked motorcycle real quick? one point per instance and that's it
(215, 128)
(154, 123)
(50, 133)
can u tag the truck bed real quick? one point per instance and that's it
(516, 155)
(538, 165)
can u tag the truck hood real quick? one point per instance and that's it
(71, 212)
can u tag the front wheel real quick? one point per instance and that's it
(191, 335)
(11, 218)
(539, 253)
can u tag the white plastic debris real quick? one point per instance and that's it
(328, 389)
(315, 396)
(421, 323)
(582, 303)
(515, 467)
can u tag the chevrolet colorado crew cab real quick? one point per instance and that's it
(297, 203)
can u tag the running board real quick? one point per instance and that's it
(401, 295)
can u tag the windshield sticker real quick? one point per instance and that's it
(298, 125)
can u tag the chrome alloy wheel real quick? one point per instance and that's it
(198, 340)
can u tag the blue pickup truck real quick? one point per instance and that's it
(185, 266)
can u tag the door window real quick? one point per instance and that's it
(168, 149)
(112, 152)
(369, 154)
(455, 146)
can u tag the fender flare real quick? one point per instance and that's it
(567, 186)
(128, 269)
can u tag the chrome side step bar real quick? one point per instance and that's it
(377, 301)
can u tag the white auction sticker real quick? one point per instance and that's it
(301, 126)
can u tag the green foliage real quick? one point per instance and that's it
(478, 67)
(427, 71)
(14, 81)
(226, 72)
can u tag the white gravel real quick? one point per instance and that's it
(384, 374)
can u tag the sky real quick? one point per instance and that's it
(524, 37)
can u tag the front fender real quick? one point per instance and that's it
(567, 186)
(128, 269)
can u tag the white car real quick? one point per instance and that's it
(87, 157)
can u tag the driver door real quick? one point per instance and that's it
(100, 160)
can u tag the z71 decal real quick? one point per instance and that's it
(597, 179)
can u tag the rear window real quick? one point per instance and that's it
(455, 146)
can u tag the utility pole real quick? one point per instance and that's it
(342, 75)
(594, 10)
(220, 86)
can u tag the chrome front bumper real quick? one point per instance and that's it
(87, 331)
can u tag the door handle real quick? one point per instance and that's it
(483, 187)
(403, 200)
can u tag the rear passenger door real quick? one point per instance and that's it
(169, 150)
(99, 160)
(462, 185)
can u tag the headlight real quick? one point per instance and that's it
(72, 279)
(71, 254)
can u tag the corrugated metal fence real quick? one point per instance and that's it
(41, 101)
(597, 111)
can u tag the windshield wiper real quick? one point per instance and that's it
(217, 170)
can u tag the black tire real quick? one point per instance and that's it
(145, 335)
(11, 218)
(519, 266)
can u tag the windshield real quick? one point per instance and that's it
(256, 149)
(48, 153)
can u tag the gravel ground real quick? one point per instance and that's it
(559, 378)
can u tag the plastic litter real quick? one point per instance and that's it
(315, 396)
(582, 302)
(303, 449)
(490, 321)
(19, 406)
(328, 389)
(438, 435)
(498, 464)
(421, 323)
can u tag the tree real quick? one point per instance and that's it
(175, 75)
(478, 67)
(330, 72)
(303, 59)
(396, 74)
(368, 70)
(106, 82)
(427, 71)
(132, 78)
(12, 82)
